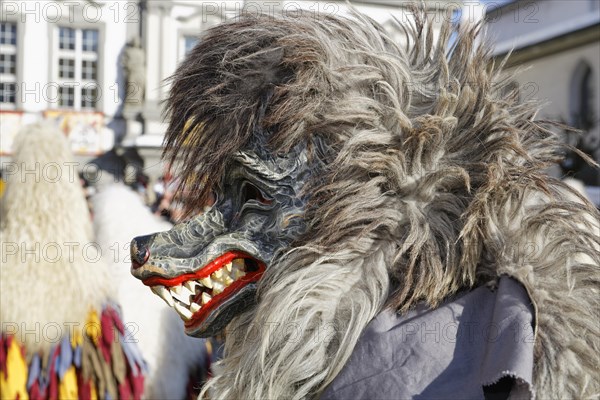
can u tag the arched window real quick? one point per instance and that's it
(582, 113)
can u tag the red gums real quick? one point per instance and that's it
(206, 309)
(211, 267)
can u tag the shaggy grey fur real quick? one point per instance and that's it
(424, 172)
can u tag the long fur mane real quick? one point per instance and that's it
(430, 180)
(53, 277)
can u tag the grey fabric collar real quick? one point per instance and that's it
(453, 351)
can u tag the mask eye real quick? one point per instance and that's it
(251, 192)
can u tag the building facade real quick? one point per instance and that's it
(58, 63)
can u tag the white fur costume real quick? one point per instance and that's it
(119, 216)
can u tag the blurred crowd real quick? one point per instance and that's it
(158, 194)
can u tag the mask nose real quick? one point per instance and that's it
(140, 251)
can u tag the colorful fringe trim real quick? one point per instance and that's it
(100, 361)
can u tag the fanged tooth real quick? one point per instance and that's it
(182, 294)
(206, 298)
(194, 307)
(239, 263)
(226, 276)
(164, 294)
(228, 267)
(237, 274)
(217, 288)
(191, 286)
(187, 292)
(184, 312)
(176, 289)
(217, 274)
(227, 280)
(206, 282)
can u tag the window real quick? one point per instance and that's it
(186, 43)
(7, 92)
(66, 68)
(66, 96)
(8, 33)
(89, 98)
(90, 40)
(583, 115)
(67, 38)
(189, 42)
(8, 64)
(77, 69)
(88, 70)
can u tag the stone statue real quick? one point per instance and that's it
(134, 65)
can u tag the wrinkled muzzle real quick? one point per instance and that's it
(208, 275)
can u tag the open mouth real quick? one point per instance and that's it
(195, 295)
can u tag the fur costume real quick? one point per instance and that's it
(173, 358)
(351, 175)
(61, 335)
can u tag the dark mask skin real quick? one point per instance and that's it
(207, 268)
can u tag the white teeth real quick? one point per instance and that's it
(194, 308)
(206, 298)
(217, 281)
(187, 292)
(217, 287)
(206, 282)
(191, 286)
(237, 274)
(182, 294)
(184, 312)
(164, 294)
